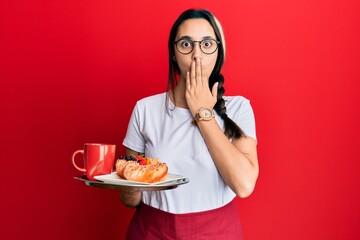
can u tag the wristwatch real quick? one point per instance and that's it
(204, 114)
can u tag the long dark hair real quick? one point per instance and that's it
(232, 130)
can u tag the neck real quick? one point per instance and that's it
(177, 96)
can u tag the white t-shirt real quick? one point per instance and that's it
(165, 131)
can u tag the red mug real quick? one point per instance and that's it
(98, 159)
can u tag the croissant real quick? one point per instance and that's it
(134, 171)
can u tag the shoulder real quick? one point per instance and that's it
(238, 106)
(236, 101)
(152, 101)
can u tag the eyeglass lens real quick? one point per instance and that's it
(186, 46)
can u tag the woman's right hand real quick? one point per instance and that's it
(130, 199)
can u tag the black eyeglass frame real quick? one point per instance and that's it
(193, 45)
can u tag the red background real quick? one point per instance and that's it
(71, 72)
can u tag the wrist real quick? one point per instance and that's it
(130, 199)
(204, 114)
(132, 206)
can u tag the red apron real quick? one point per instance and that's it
(149, 223)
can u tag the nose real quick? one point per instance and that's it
(196, 53)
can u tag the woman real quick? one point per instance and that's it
(196, 131)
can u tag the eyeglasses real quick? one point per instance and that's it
(186, 46)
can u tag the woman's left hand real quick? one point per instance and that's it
(197, 91)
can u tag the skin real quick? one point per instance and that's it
(236, 160)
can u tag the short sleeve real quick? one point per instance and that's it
(243, 115)
(134, 139)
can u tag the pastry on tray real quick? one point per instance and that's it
(141, 169)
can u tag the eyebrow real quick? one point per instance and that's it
(189, 38)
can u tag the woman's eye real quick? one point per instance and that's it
(186, 44)
(207, 44)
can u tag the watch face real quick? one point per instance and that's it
(206, 113)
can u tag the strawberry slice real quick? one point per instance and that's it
(138, 157)
(142, 162)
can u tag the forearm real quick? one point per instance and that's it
(236, 162)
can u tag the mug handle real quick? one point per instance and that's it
(74, 163)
